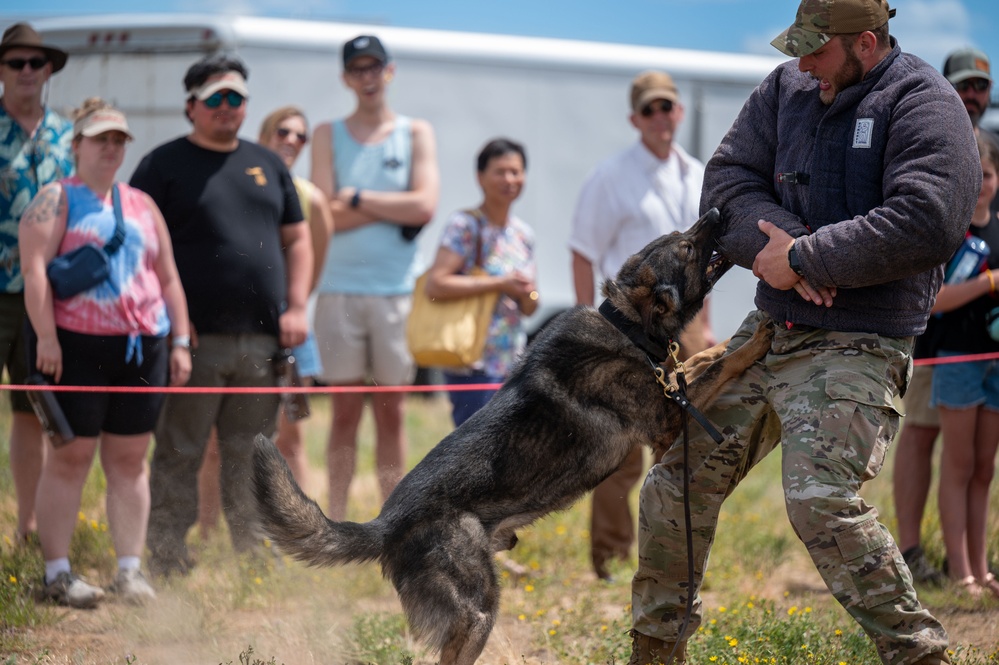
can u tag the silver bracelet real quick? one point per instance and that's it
(181, 342)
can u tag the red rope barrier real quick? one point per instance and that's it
(956, 359)
(329, 390)
(243, 390)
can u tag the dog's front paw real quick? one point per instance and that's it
(759, 343)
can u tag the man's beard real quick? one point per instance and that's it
(851, 74)
(975, 111)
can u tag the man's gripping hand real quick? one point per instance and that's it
(771, 265)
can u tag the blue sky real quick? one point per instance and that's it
(928, 28)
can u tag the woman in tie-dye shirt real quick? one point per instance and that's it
(116, 333)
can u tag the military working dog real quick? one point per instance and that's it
(581, 398)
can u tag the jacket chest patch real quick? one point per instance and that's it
(862, 133)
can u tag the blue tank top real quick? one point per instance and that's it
(373, 259)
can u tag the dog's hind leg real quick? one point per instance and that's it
(446, 579)
(465, 647)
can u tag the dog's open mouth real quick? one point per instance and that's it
(718, 265)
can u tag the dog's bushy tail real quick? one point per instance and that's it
(296, 524)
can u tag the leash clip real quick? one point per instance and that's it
(668, 388)
(674, 353)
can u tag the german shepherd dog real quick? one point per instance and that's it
(570, 412)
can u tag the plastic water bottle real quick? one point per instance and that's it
(968, 261)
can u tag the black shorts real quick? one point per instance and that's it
(94, 360)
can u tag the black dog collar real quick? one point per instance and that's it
(633, 331)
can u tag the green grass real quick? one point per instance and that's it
(761, 602)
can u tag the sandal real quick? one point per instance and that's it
(989, 583)
(969, 586)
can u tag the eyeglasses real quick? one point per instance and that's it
(976, 84)
(664, 105)
(19, 63)
(284, 132)
(359, 72)
(214, 100)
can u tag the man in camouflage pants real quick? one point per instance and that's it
(852, 155)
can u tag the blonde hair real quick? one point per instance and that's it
(270, 124)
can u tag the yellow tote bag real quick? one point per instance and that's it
(450, 332)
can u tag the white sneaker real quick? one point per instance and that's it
(132, 587)
(68, 589)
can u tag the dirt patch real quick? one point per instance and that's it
(310, 630)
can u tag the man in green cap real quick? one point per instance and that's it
(969, 71)
(851, 153)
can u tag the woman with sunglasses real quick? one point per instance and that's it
(506, 253)
(113, 334)
(34, 150)
(285, 131)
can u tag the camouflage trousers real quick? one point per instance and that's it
(827, 399)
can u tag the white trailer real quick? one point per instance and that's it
(565, 100)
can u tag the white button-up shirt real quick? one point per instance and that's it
(630, 199)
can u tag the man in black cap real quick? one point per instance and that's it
(379, 170)
(34, 150)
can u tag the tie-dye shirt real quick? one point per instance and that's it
(130, 301)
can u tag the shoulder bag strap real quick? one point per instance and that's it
(119, 224)
(477, 215)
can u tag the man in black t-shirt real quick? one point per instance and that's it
(244, 256)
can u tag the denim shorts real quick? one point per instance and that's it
(965, 385)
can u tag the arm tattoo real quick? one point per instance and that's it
(48, 206)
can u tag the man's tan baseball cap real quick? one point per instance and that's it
(818, 20)
(650, 86)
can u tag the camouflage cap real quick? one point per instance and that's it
(818, 20)
(967, 63)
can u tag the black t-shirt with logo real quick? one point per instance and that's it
(225, 211)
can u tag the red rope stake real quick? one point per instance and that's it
(253, 390)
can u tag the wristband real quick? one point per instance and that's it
(181, 342)
(992, 281)
(355, 200)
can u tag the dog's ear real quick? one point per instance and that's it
(661, 307)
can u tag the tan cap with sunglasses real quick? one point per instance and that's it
(650, 86)
(22, 35)
(231, 80)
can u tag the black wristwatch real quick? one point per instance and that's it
(794, 261)
(355, 200)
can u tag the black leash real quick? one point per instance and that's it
(656, 353)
